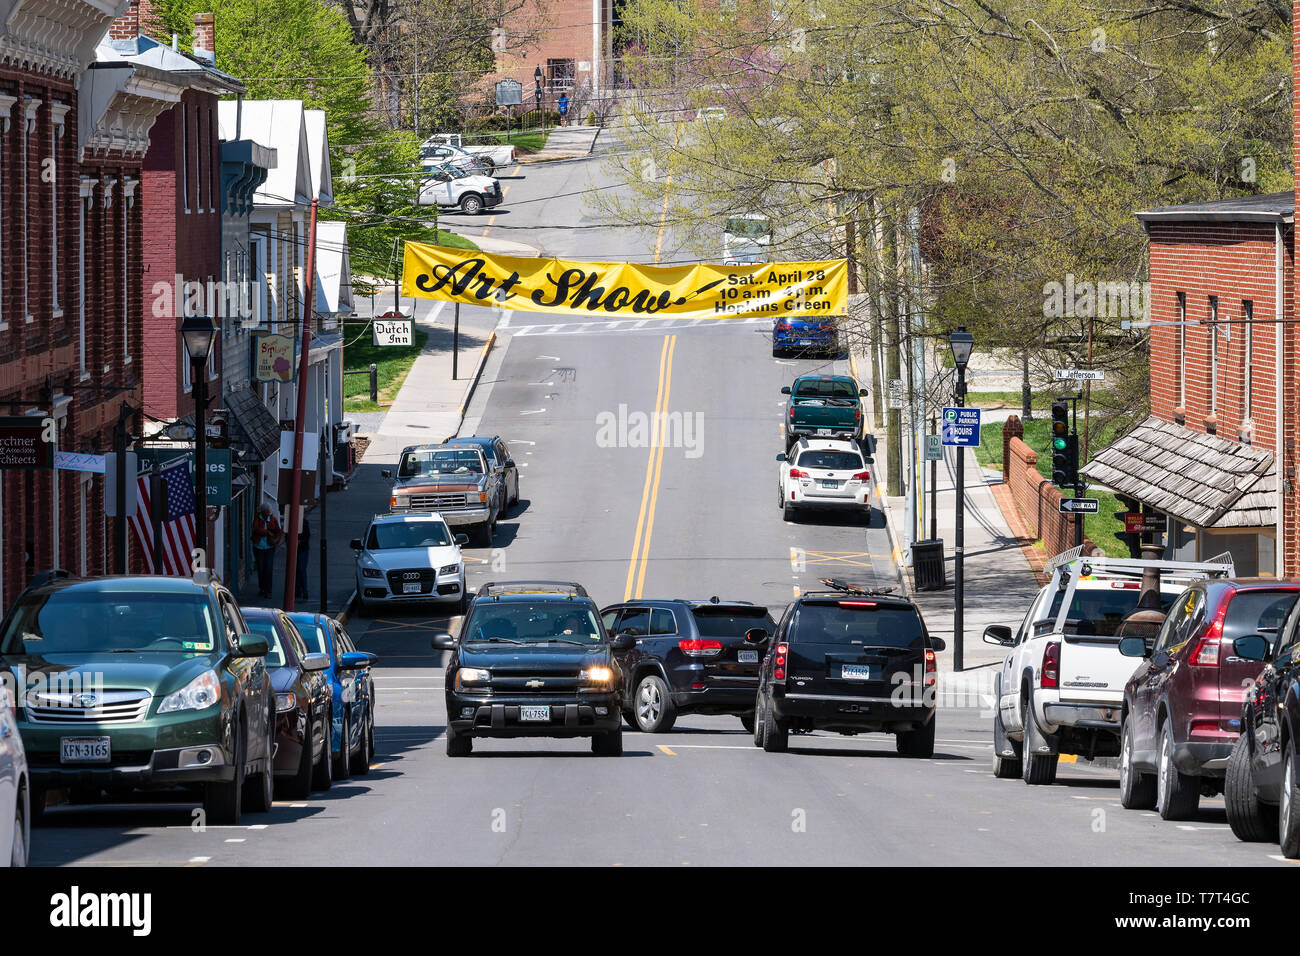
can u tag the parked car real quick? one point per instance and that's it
(688, 657)
(1260, 792)
(302, 703)
(502, 462)
(144, 682)
(447, 187)
(409, 557)
(849, 661)
(533, 659)
(804, 337)
(1060, 689)
(444, 154)
(352, 692)
(823, 406)
(15, 789)
(491, 155)
(457, 483)
(1182, 706)
(823, 474)
(746, 239)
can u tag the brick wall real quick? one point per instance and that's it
(565, 31)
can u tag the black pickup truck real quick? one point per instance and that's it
(532, 660)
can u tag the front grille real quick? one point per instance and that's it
(552, 683)
(397, 580)
(107, 707)
(434, 502)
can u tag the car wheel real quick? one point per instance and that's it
(1006, 752)
(458, 745)
(1288, 814)
(1251, 819)
(1137, 790)
(608, 744)
(471, 205)
(322, 777)
(261, 785)
(787, 510)
(489, 167)
(653, 706)
(18, 846)
(1177, 794)
(776, 735)
(917, 743)
(223, 802)
(343, 762)
(1036, 769)
(776, 350)
(747, 720)
(300, 786)
(759, 723)
(361, 759)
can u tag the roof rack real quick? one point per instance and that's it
(49, 576)
(839, 588)
(1221, 565)
(498, 588)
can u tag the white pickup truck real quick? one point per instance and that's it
(491, 156)
(447, 187)
(1061, 688)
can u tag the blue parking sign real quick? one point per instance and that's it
(961, 427)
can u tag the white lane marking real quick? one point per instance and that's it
(520, 441)
(713, 747)
(199, 859)
(235, 840)
(639, 323)
(534, 411)
(548, 358)
(505, 321)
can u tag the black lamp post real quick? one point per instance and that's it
(961, 342)
(198, 332)
(537, 79)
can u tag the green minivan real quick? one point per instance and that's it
(147, 682)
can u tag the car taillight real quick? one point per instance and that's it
(796, 473)
(699, 648)
(931, 667)
(1206, 652)
(861, 476)
(856, 603)
(1051, 665)
(857, 413)
(778, 664)
(792, 411)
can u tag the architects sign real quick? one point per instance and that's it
(625, 290)
(23, 443)
(273, 357)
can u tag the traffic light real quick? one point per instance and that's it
(1065, 448)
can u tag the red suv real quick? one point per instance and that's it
(1182, 706)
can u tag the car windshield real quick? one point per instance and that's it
(856, 621)
(408, 534)
(449, 461)
(1099, 611)
(1257, 612)
(821, 388)
(730, 621)
(486, 449)
(274, 647)
(748, 228)
(77, 621)
(829, 458)
(529, 622)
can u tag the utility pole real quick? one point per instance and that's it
(295, 500)
(934, 486)
(324, 538)
(893, 416)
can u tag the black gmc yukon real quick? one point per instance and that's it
(852, 662)
(532, 660)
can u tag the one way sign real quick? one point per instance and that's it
(1081, 506)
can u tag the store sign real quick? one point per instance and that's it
(392, 331)
(23, 443)
(220, 470)
(273, 357)
(75, 461)
(1135, 522)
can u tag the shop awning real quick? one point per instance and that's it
(1203, 480)
(253, 423)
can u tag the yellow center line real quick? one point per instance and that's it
(504, 189)
(667, 751)
(668, 185)
(649, 474)
(661, 443)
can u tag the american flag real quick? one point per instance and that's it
(178, 534)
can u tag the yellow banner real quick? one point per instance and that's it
(625, 290)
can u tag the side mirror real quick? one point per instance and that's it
(1252, 648)
(1133, 647)
(444, 642)
(622, 641)
(252, 645)
(510, 463)
(782, 457)
(386, 473)
(862, 393)
(938, 644)
(756, 635)
(316, 662)
(357, 660)
(785, 390)
(355, 544)
(998, 634)
(462, 538)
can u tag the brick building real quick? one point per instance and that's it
(570, 41)
(73, 133)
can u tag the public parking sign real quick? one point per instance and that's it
(961, 427)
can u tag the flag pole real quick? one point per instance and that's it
(295, 500)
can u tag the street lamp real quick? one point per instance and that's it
(198, 332)
(961, 342)
(537, 79)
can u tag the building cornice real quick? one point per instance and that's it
(119, 105)
(54, 37)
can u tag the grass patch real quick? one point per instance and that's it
(1101, 527)
(394, 364)
(453, 241)
(1009, 399)
(527, 141)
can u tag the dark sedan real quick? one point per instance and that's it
(302, 703)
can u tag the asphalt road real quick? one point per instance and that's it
(693, 519)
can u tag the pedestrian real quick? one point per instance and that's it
(563, 105)
(304, 554)
(266, 538)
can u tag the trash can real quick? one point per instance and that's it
(927, 565)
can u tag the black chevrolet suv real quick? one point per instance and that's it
(688, 656)
(850, 661)
(532, 660)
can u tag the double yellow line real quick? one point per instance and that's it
(650, 493)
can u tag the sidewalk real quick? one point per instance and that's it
(564, 142)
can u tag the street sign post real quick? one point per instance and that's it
(1079, 506)
(510, 93)
(933, 448)
(896, 397)
(961, 427)
(1077, 375)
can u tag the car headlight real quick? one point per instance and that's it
(450, 569)
(202, 692)
(400, 501)
(597, 675)
(371, 573)
(472, 675)
(285, 702)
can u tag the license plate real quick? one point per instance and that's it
(856, 672)
(535, 713)
(805, 341)
(412, 587)
(825, 431)
(747, 657)
(84, 750)
(830, 484)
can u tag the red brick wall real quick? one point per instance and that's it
(565, 32)
(1037, 500)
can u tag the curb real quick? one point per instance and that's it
(473, 385)
(348, 606)
(904, 579)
